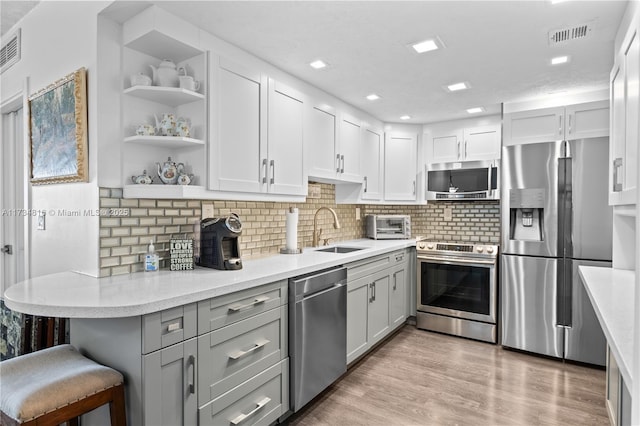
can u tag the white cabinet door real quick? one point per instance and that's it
(357, 314)
(397, 295)
(632, 112)
(349, 152)
(400, 156)
(238, 133)
(321, 142)
(371, 164)
(445, 148)
(481, 143)
(285, 157)
(541, 125)
(589, 120)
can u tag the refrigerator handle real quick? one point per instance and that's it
(568, 294)
(561, 319)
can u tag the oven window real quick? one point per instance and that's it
(457, 287)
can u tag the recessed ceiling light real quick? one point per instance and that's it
(318, 64)
(559, 60)
(475, 110)
(457, 86)
(373, 97)
(405, 117)
(425, 46)
(557, 1)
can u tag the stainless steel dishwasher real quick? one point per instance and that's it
(317, 333)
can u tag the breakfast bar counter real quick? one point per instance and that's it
(75, 295)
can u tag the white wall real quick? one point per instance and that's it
(57, 39)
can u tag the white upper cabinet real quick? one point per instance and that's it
(348, 156)
(322, 142)
(371, 164)
(257, 132)
(579, 121)
(463, 144)
(625, 112)
(400, 167)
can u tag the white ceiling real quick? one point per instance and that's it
(500, 47)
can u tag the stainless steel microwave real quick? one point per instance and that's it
(472, 180)
(388, 227)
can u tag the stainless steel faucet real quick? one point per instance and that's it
(317, 234)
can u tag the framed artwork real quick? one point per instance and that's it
(58, 131)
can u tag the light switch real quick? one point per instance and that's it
(207, 210)
(41, 221)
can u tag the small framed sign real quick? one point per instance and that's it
(181, 252)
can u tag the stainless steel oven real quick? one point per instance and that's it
(457, 289)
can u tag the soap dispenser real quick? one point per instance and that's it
(151, 260)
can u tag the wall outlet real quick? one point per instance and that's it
(448, 213)
(207, 210)
(357, 213)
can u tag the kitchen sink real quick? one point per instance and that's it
(340, 249)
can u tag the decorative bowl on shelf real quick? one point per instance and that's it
(140, 79)
(145, 130)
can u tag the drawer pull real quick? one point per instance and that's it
(243, 417)
(257, 300)
(174, 327)
(240, 354)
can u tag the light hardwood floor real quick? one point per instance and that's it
(423, 378)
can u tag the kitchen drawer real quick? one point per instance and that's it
(221, 311)
(233, 354)
(165, 328)
(365, 267)
(258, 401)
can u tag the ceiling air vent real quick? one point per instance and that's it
(10, 51)
(568, 34)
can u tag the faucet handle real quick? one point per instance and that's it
(326, 241)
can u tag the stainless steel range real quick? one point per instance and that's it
(457, 289)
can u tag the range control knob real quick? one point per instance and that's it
(430, 246)
(489, 250)
(421, 246)
(479, 249)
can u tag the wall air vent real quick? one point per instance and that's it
(10, 51)
(564, 35)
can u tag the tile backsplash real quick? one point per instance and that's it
(124, 239)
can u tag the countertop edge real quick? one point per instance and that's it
(29, 296)
(604, 285)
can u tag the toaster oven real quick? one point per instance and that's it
(388, 227)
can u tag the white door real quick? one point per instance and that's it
(481, 143)
(285, 149)
(371, 164)
(239, 158)
(321, 142)
(14, 214)
(400, 162)
(445, 148)
(541, 125)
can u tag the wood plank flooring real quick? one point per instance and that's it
(423, 378)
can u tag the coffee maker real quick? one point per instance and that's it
(219, 242)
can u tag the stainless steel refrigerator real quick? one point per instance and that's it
(555, 217)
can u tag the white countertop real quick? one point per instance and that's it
(75, 295)
(612, 295)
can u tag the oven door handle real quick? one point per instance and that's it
(450, 261)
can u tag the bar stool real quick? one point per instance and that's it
(56, 385)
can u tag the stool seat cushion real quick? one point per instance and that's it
(42, 381)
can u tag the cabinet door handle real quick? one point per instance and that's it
(399, 257)
(374, 291)
(243, 417)
(342, 168)
(256, 346)
(264, 164)
(174, 326)
(273, 171)
(414, 187)
(256, 301)
(337, 163)
(560, 126)
(395, 281)
(458, 150)
(192, 363)
(371, 293)
(570, 115)
(465, 148)
(366, 184)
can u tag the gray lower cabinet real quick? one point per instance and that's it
(618, 395)
(376, 300)
(200, 363)
(170, 385)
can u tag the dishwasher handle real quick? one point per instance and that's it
(321, 292)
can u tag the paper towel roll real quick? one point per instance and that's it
(292, 229)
